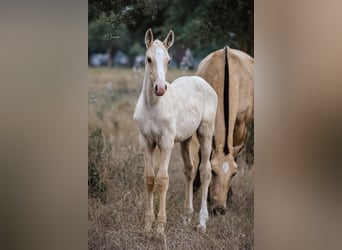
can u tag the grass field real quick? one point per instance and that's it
(116, 217)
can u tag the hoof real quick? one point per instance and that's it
(148, 227)
(187, 216)
(149, 219)
(186, 219)
(201, 228)
(160, 228)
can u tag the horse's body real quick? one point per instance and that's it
(179, 112)
(231, 73)
(168, 113)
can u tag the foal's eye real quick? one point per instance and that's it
(213, 173)
(149, 60)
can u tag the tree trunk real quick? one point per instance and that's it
(110, 61)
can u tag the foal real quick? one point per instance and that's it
(168, 113)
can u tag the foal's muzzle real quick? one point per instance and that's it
(160, 89)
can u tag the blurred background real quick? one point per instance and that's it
(116, 29)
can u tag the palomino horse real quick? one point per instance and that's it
(168, 113)
(231, 73)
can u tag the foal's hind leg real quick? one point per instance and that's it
(189, 179)
(204, 134)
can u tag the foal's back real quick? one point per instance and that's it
(197, 103)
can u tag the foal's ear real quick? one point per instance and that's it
(148, 38)
(169, 39)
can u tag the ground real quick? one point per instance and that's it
(116, 216)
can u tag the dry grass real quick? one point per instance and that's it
(116, 221)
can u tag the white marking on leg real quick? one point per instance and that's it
(203, 216)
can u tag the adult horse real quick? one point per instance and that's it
(168, 113)
(231, 73)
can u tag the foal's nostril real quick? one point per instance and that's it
(156, 88)
(165, 87)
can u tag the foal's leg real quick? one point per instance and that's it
(189, 179)
(149, 184)
(162, 182)
(204, 133)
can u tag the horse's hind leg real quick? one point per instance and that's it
(204, 134)
(189, 179)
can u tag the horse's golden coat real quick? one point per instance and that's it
(241, 113)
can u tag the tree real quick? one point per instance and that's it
(206, 25)
(201, 25)
(103, 37)
(230, 20)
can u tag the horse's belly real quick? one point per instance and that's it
(186, 127)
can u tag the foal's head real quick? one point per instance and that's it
(157, 59)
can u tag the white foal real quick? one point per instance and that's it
(168, 113)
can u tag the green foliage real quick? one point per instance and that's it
(185, 18)
(103, 35)
(97, 31)
(136, 49)
(236, 16)
(201, 25)
(98, 152)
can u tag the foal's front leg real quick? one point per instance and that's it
(162, 182)
(149, 184)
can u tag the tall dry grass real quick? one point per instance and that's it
(116, 218)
